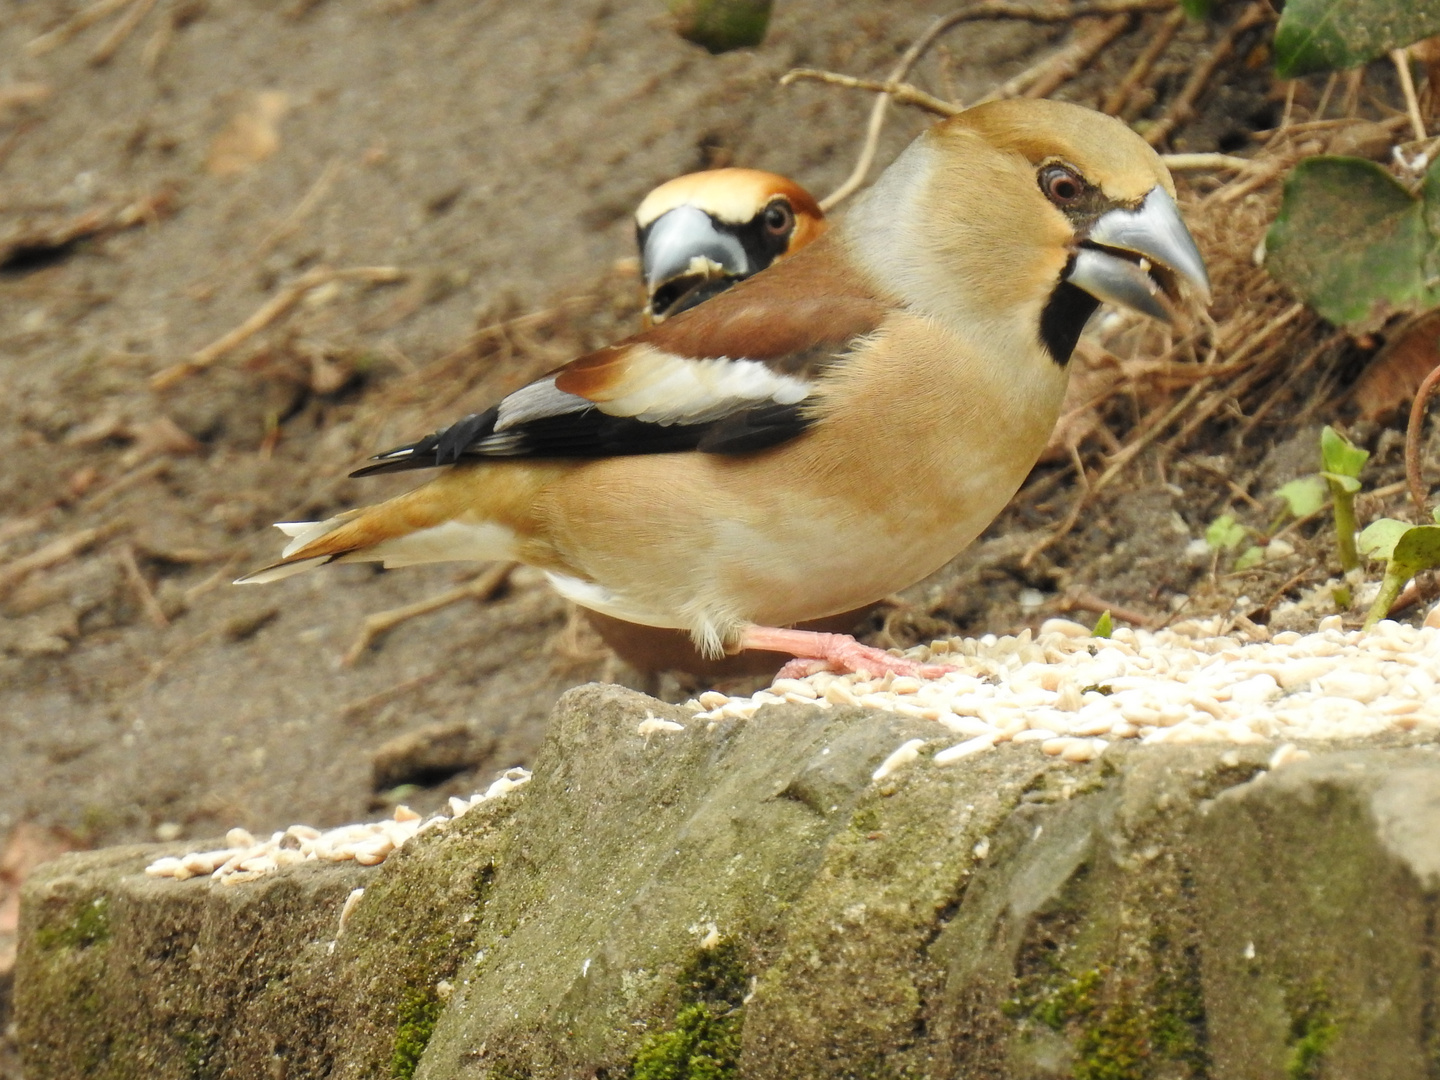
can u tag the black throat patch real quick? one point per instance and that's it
(1064, 317)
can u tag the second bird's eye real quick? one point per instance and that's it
(1062, 186)
(778, 218)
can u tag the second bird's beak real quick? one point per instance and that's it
(682, 242)
(1135, 257)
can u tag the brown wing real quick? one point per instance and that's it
(729, 376)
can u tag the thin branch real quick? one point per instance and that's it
(1401, 59)
(1183, 107)
(984, 9)
(1118, 98)
(481, 588)
(1412, 442)
(275, 308)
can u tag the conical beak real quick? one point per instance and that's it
(687, 242)
(1136, 258)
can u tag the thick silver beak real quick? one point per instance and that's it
(677, 239)
(1156, 234)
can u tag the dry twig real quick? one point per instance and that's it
(1118, 98)
(275, 308)
(1044, 78)
(76, 24)
(139, 586)
(481, 589)
(61, 549)
(1183, 107)
(1401, 59)
(1413, 431)
(106, 50)
(983, 9)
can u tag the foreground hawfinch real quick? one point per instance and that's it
(825, 433)
(701, 233)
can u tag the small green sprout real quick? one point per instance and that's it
(1253, 555)
(1225, 533)
(1406, 550)
(1305, 496)
(1341, 462)
(1104, 626)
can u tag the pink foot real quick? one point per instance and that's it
(840, 653)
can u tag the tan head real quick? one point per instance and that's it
(701, 233)
(1031, 207)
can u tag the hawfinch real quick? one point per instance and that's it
(701, 233)
(824, 433)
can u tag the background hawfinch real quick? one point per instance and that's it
(702, 232)
(825, 433)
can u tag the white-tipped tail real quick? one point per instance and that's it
(281, 570)
(302, 532)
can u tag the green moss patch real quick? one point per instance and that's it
(704, 1041)
(1312, 1031)
(415, 1023)
(88, 924)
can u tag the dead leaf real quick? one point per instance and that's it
(156, 437)
(1389, 383)
(251, 136)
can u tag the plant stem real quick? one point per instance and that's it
(1344, 525)
(1389, 589)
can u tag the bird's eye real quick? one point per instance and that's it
(1062, 186)
(778, 218)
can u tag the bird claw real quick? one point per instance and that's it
(840, 653)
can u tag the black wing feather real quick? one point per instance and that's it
(590, 433)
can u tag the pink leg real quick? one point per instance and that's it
(835, 652)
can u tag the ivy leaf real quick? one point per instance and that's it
(1352, 242)
(1329, 35)
(1305, 496)
(1340, 457)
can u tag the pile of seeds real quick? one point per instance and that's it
(1066, 691)
(1072, 694)
(245, 859)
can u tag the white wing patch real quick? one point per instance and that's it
(536, 402)
(657, 388)
(661, 388)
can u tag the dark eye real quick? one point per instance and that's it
(778, 218)
(1062, 186)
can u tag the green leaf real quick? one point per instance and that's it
(1329, 35)
(1378, 539)
(1225, 533)
(1353, 243)
(1348, 484)
(1104, 626)
(1305, 496)
(1251, 556)
(1338, 455)
(1416, 549)
(1197, 9)
(1436, 514)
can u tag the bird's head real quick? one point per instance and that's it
(1035, 208)
(701, 233)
